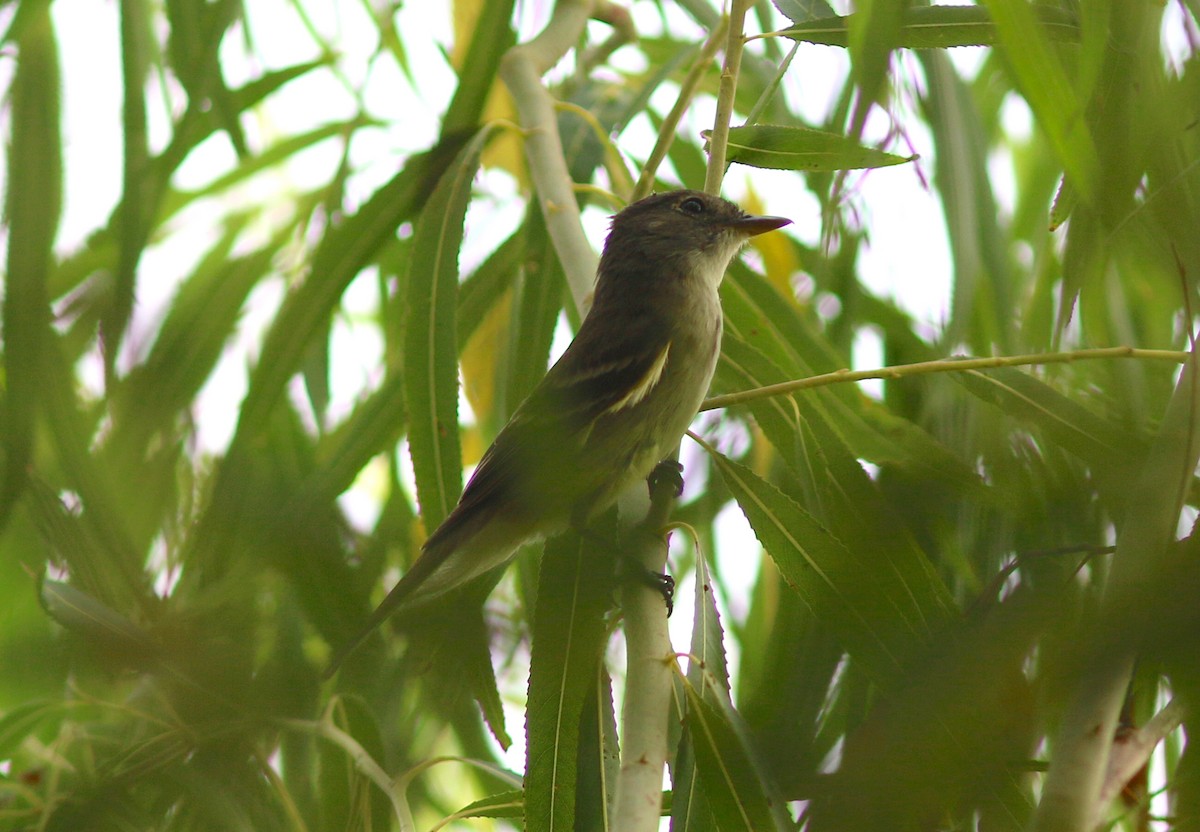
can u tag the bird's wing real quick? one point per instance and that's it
(542, 449)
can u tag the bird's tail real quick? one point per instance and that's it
(454, 555)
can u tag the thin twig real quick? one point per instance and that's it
(725, 97)
(670, 125)
(942, 365)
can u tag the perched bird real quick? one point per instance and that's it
(615, 404)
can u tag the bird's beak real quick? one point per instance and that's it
(750, 226)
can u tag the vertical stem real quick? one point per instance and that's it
(649, 673)
(729, 73)
(687, 91)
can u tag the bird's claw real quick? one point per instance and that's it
(668, 473)
(664, 584)
(631, 570)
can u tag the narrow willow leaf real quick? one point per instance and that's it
(510, 804)
(939, 27)
(802, 11)
(373, 427)
(343, 251)
(1098, 442)
(733, 787)
(867, 607)
(690, 811)
(32, 205)
(141, 186)
(786, 147)
(531, 330)
(981, 314)
(874, 34)
(569, 634)
(430, 345)
(821, 439)
(198, 123)
(597, 756)
(493, 36)
(85, 616)
(275, 155)
(202, 317)
(1064, 203)
(1047, 87)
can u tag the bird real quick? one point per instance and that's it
(616, 403)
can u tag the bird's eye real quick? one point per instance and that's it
(692, 205)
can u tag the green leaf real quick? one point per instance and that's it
(84, 615)
(802, 148)
(531, 329)
(1098, 442)
(939, 27)
(733, 785)
(569, 634)
(373, 427)
(708, 673)
(492, 37)
(510, 804)
(342, 252)
(272, 158)
(983, 299)
(1045, 84)
(801, 11)
(872, 609)
(874, 34)
(32, 205)
(430, 346)
(200, 321)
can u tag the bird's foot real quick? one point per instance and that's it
(667, 474)
(631, 570)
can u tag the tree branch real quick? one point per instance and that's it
(522, 68)
(942, 365)
(648, 674)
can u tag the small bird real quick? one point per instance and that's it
(614, 405)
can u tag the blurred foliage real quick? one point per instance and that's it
(939, 571)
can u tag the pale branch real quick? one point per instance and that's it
(522, 68)
(649, 668)
(942, 365)
(621, 21)
(1131, 751)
